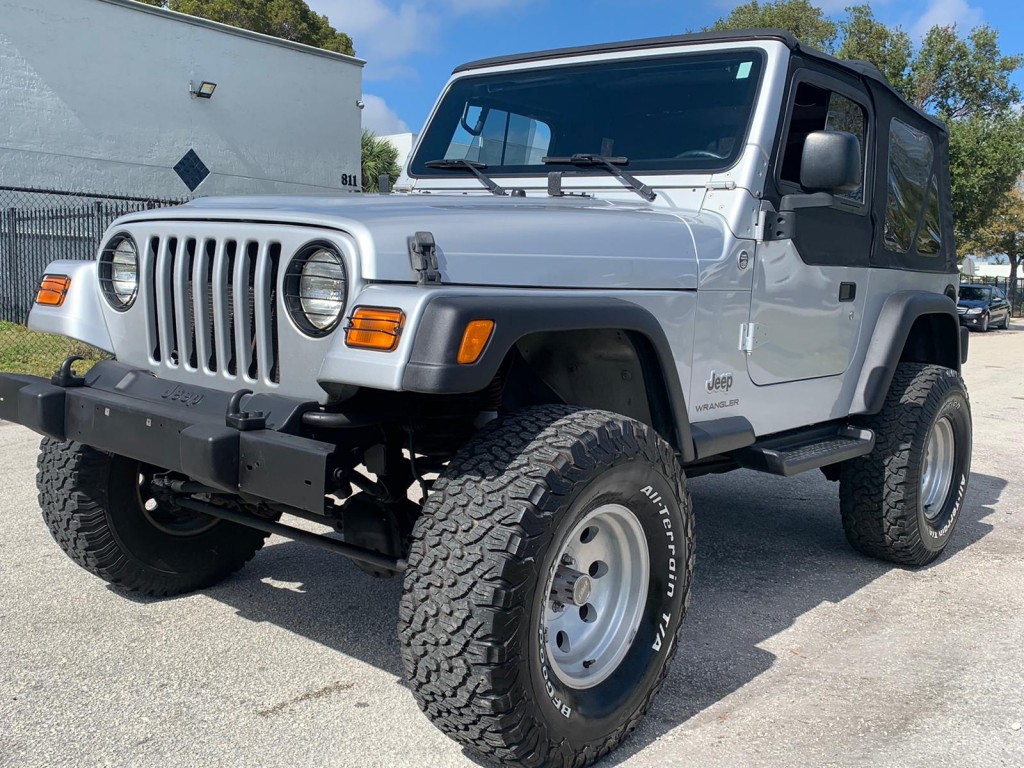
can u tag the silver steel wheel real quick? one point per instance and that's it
(596, 596)
(937, 473)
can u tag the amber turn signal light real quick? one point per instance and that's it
(53, 289)
(474, 340)
(375, 328)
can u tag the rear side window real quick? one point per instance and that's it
(912, 186)
(929, 237)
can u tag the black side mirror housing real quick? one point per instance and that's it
(831, 162)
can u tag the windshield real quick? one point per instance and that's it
(685, 113)
(974, 293)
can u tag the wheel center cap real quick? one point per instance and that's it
(581, 591)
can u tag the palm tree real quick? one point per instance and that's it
(380, 157)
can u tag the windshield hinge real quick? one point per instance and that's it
(713, 185)
(774, 225)
(423, 256)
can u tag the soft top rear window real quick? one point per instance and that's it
(685, 113)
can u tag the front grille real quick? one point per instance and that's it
(961, 310)
(213, 305)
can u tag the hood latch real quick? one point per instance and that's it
(423, 256)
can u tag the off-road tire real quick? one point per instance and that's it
(89, 502)
(470, 621)
(880, 493)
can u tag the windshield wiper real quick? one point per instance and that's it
(474, 168)
(610, 164)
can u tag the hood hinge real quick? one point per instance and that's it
(423, 256)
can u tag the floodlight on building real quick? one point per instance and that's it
(202, 91)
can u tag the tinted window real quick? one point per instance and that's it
(819, 109)
(678, 113)
(910, 174)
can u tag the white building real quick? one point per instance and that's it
(95, 97)
(404, 143)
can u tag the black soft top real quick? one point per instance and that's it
(888, 104)
(864, 69)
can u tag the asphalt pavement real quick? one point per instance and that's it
(797, 651)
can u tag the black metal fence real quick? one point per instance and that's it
(38, 226)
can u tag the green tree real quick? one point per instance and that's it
(888, 48)
(958, 77)
(808, 22)
(290, 20)
(966, 81)
(1003, 234)
(380, 157)
(986, 157)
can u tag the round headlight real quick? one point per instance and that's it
(119, 272)
(317, 289)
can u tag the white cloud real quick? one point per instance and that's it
(944, 13)
(380, 118)
(388, 32)
(383, 32)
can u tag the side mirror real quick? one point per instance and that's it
(831, 162)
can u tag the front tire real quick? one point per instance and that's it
(97, 512)
(902, 501)
(548, 579)
(984, 324)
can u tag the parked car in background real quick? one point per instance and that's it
(982, 307)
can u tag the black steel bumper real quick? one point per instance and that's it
(186, 429)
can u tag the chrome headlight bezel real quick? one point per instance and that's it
(317, 261)
(974, 311)
(119, 292)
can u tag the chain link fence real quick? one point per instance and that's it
(38, 226)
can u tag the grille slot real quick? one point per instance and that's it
(213, 305)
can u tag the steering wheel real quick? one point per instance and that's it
(700, 153)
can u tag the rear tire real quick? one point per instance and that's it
(1006, 322)
(92, 504)
(491, 637)
(902, 501)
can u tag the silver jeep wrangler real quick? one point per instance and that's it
(610, 268)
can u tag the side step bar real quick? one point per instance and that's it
(808, 449)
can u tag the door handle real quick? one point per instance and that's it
(847, 291)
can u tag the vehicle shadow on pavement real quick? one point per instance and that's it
(769, 550)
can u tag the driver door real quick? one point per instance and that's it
(809, 291)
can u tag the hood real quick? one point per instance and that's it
(507, 241)
(970, 303)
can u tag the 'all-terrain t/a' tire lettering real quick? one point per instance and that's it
(547, 584)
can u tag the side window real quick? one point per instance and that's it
(929, 237)
(911, 186)
(496, 137)
(819, 109)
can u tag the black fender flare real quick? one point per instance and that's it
(433, 367)
(889, 339)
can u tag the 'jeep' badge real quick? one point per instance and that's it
(718, 382)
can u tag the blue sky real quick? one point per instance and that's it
(412, 45)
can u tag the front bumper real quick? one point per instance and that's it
(130, 412)
(970, 321)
